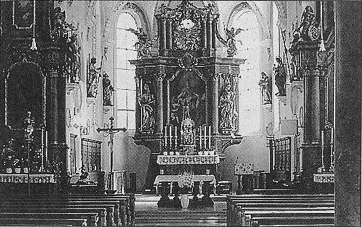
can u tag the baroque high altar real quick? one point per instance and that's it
(187, 97)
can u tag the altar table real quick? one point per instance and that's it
(175, 178)
(187, 159)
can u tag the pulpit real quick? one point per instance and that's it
(187, 108)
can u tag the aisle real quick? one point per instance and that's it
(148, 214)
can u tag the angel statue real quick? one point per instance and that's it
(230, 40)
(144, 44)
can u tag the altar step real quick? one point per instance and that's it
(271, 191)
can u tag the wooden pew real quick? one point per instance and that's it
(238, 206)
(40, 221)
(92, 218)
(101, 212)
(124, 209)
(110, 217)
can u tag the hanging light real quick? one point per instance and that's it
(33, 42)
(321, 47)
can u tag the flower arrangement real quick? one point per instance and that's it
(185, 181)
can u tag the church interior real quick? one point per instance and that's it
(183, 113)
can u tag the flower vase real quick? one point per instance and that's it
(9, 170)
(17, 169)
(184, 201)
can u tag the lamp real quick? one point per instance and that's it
(33, 42)
(322, 48)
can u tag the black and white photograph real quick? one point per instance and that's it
(180, 113)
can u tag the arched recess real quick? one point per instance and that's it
(129, 17)
(249, 44)
(250, 6)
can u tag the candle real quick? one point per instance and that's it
(209, 137)
(332, 136)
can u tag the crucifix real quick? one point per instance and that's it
(111, 131)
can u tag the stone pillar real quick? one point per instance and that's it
(215, 104)
(159, 95)
(348, 70)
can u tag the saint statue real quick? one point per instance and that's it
(187, 100)
(73, 59)
(93, 79)
(307, 29)
(146, 101)
(266, 87)
(107, 90)
(280, 76)
(226, 106)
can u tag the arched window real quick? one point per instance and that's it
(248, 44)
(125, 85)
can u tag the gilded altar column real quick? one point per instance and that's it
(159, 95)
(209, 35)
(215, 104)
(169, 34)
(138, 110)
(347, 114)
(312, 106)
(57, 148)
(164, 35)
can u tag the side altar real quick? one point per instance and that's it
(187, 108)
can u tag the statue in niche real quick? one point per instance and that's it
(187, 100)
(266, 87)
(72, 65)
(107, 90)
(227, 114)
(146, 101)
(188, 132)
(93, 79)
(280, 76)
(144, 44)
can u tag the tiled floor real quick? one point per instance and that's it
(148, 214)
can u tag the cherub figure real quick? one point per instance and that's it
(144, 44)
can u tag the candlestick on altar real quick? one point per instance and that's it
(200, 138)
(331, 168)
(170, 135)
(175, 137)
(42, 150)
(322, 148)
(205, 137)
(209, 137)
(165, 135)
(46, 147)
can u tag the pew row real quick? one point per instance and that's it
(118, 210)
(274, 210)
